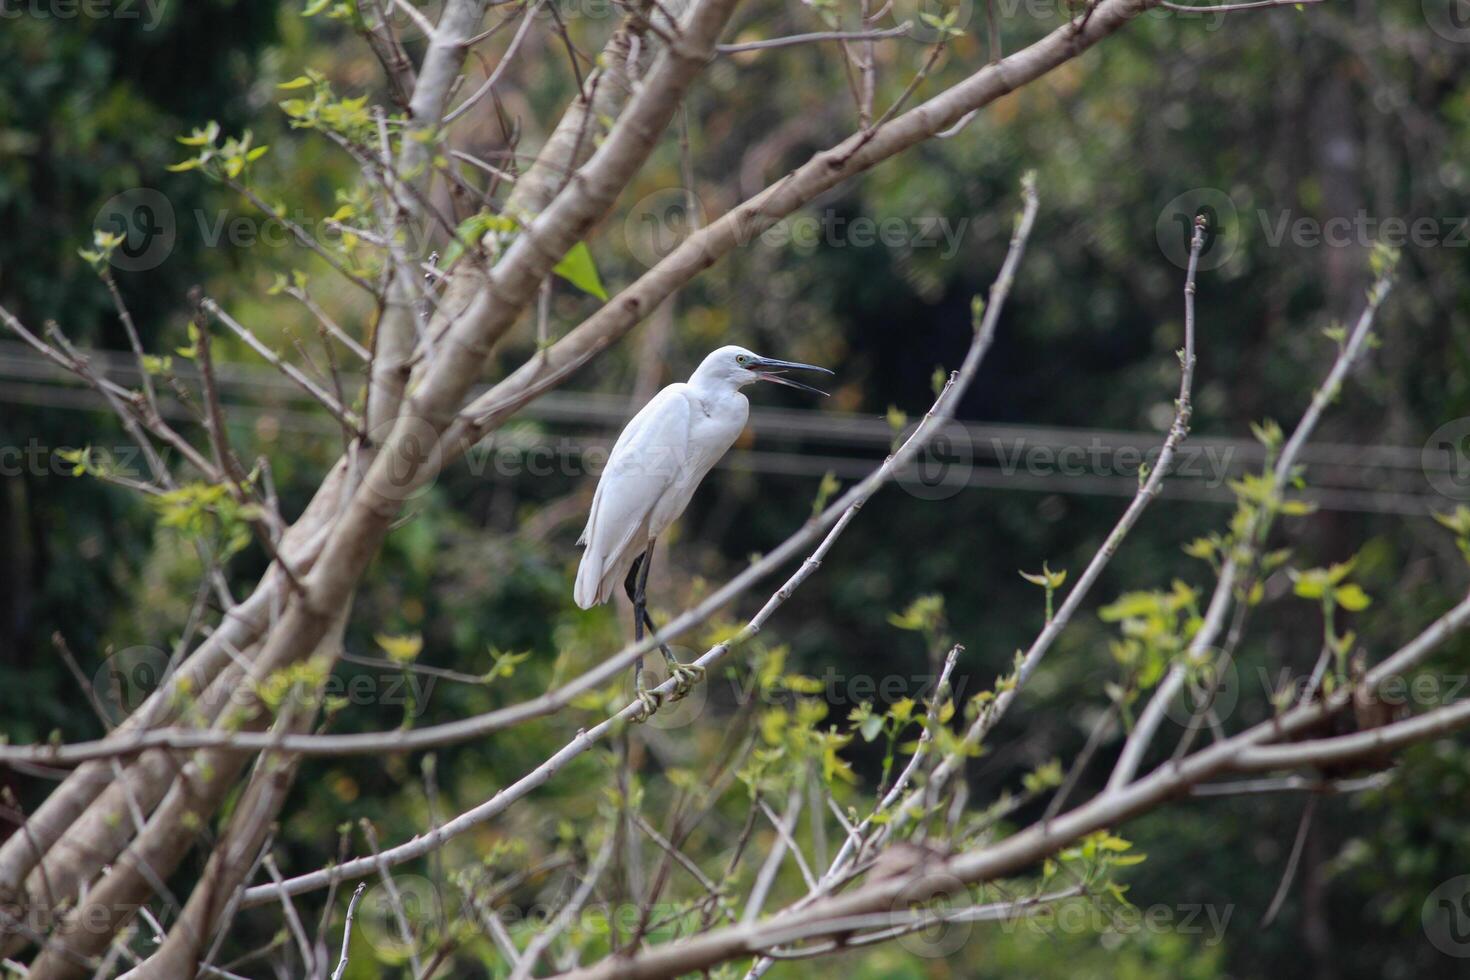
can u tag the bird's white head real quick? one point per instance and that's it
(736, 367)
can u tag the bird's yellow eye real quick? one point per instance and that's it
(741, 359)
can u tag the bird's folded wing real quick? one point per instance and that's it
(648, 459)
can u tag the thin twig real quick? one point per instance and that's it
(902, 30)
(347, 930)
(340, 412)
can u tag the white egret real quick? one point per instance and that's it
(655, 466)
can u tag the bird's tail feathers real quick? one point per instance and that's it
(591, 588)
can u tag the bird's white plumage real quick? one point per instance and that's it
(655, 466)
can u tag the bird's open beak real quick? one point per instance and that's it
(770, 369)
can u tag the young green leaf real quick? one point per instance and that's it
(578, 269)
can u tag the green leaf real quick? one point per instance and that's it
(1459, 521)
(201, 137)
(471, 230)
(1310, 584)
(1046, 776)
(829, 486)
(1352, 597)
(401, 649)
(924, 613)
(1202, 548)
(1046, 578)
(1268, 433)
(578, 269)
(1340, 570)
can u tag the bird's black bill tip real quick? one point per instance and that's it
(778, 379)
(771, 369)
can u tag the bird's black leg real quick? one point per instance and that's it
(636, 585)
